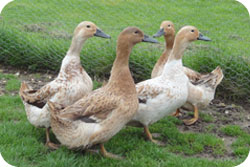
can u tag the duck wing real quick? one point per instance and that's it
(147, 91)
(192, 75)
(95, 107)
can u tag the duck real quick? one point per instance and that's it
(167, 29)
(162, 95)
(99, 115)
(69, 86)
(202, 87)
(201, 92)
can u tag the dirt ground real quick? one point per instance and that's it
(221, 113)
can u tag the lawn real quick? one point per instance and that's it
(35, 35)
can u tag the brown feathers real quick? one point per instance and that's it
(210, 79)
(103, 112)
(25, 90)
(169, 35)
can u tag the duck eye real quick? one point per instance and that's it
(192, 30)
(88, 26)
(169, 25)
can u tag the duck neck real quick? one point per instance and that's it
(76, 46)
(174, 63)
(122, 55)
(120, 73)
(169, 43)
(178, 50)
(72, 58)
(121, 61)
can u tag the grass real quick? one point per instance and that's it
(7, 76)
(232, 130)
(206, 117)
(12, 84)
(242, 143)
(37, 34)
(22, 144)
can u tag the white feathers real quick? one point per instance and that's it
(162, 95)
(80, 136)
(37, 116)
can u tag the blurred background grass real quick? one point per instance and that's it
(36, 35)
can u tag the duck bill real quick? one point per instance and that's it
(100, 33)
(149, 39)
(159, 33)
(203, 38)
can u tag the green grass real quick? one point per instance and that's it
(12, 85)
(12, 82)
(206, 117)
(22, 144)
(7, 76)
(242, 144)
(36, 35)
(232, 130)
(210, 128)
(96, 84)
(37, 76)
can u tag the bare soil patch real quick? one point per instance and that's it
(36, 80)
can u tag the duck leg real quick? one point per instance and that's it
(92, 151)
(109, 155)
(149, 136)
(196, 116)
(177, 113)
(49, 144)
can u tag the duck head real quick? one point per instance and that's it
(191, 33)
(166, 29)
(133, 35)
(183, 38)
(87, 29)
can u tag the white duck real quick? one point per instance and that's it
(202, 86)
(162, 95)
(70, 85)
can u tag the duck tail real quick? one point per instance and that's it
(24, 88)
(212, 79)
(219, 75)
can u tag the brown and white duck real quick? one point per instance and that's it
(162, 95)
(69, 86)
(202, 86)
(99, 115)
